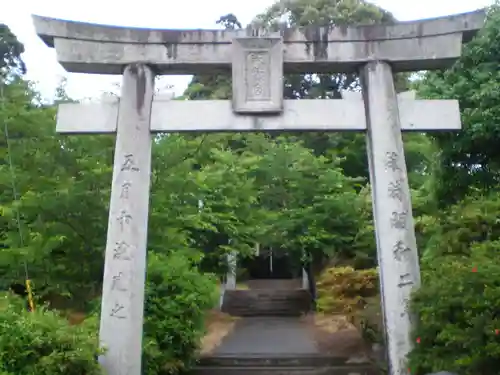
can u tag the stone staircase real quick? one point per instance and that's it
(271, 338)
(266, 302)
(286, 365)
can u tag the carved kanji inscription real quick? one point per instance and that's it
(395, 190)
(398, 219)
(118, 311)
(405, 280)
(118, 283)
(399, 249)
(392, 162)
(125, 189)
(121, 251)
(124, 218)
(129, 163)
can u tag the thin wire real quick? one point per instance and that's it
(16, 198)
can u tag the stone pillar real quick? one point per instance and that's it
(125, 260)
(305, 280)
(222, 291)
(231, 273)
(392, 211)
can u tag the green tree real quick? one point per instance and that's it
(10, 53)
(312, 203)
(470, 159)
(60, 183)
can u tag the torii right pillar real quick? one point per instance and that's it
(392, 209)
(392, 213)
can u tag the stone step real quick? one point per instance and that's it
(290, 365)
(283, 371)
(282, 360)
(276, 284)
(262, 302)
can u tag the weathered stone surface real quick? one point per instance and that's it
(125, 259)
(257, 75)
(394, 227)
(298, 115)
(416, 45)
(50, 28)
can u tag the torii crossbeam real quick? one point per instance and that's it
(169, 116)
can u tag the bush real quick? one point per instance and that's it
(177, 299)
(354, 294)
(458, 311)
(342, 290)
(43, 343)
(473, 220)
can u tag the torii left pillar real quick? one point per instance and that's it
(122, 307)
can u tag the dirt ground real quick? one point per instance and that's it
(337, 337)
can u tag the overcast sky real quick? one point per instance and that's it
(44, 69)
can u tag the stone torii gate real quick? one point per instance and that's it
(258, 61)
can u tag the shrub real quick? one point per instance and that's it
(177, 299)
(473, 220)
(43, 343)
(353, 293)
(458, 314)
(342, 290)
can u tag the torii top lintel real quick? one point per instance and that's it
(408, 46)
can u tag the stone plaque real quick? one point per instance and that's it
(257, 75)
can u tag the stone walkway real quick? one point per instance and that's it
(281, 336)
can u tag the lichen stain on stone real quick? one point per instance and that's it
(170, 39)
(374, 32)
(214, 38)
(171, 50)
(344, 30)
(252, 32)
(420, 29)
(138, 71)
(215, 35)
(141, 35)
(171, 36)
(368, 50)
(287, 33)
(318, 38)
